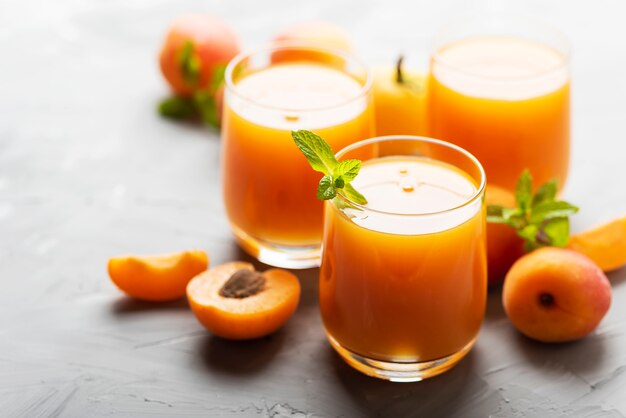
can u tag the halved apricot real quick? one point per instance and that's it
(157, 277)
(234, 301)
(605, 245)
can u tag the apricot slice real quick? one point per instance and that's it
(157, 277)
(234, 301)
(605, 245)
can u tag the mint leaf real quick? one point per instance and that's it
(337, 175)
(495, 214)
(189, 64)
(545, 193)
(552, 209)
(557, 231)
(352, 194)
(317, 152)
(348, 169)
(529, 233)
(540, 220)
(524, 190)
(178, 108)
(207, 107)
(325, 189)
(218, 78)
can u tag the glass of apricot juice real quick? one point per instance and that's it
(403, 278)
(268, 186)
(499, 87)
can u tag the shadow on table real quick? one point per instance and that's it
(127, 305)
(239, 357)
(617, 277)
(495, 310)
(580, 357)
(442, 395)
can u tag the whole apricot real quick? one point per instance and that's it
(312, 34)
(504, 246)
(236, 302)
(555, 294)
(194, 48)
(399, 101)
(318, 33)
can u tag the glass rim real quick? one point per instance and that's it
(291, 45)
(543, 27)
(480, 189)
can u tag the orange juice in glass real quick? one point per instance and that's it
(269, 188)
(500, 88)
(403, 278)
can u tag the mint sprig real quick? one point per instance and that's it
(337, 175)
(189, 64)
(201, 106)
(540, 219)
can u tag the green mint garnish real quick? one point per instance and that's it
(540, 219)
(206, 107)
(189, 64)
(202, 105)
(337, 175)
(178, 108)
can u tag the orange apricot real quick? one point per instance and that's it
(605, 245)
(399, 101)
(312, 34)
(504, 246)
(213, 43)
(316, 33)
(236, 302)
(555, 295)
(157, 277)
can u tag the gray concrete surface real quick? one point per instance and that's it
(88, 171)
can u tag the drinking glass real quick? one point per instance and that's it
(269, 188)
(403, 280)
(499, 86)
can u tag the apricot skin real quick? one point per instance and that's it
(316, 33)
(399, 109)
(504, 246)
(157, 278)
(312, 34)
(215, 43)
(579, 291)
(241, 319)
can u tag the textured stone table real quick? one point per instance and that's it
(88, 170)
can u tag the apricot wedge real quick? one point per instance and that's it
(236, 302)
(157, 277)
(605, 245)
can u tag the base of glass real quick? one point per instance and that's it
(279, 256)
(400, 371)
